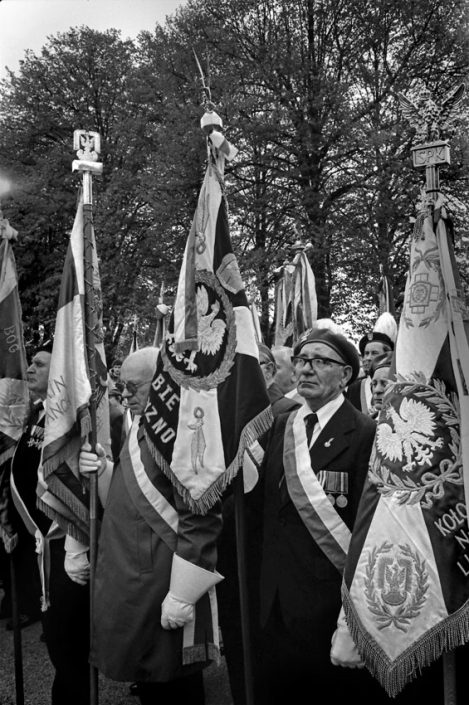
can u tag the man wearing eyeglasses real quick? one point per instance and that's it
(155, 622)
(313, 471)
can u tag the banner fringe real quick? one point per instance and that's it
(255, 428)
(394, 676)
(196, 654)
(78, 533)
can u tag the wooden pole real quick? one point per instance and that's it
(88, 144)
(17, 646)
(240, 528)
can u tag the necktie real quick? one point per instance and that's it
(310, 422)
(35, 413)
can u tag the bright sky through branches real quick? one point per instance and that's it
(26, 24)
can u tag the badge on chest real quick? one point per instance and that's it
(335, 485)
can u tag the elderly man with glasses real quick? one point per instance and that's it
(313, 471)
(155, 618)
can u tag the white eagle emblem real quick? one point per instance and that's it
(412, 436)
(210, 330)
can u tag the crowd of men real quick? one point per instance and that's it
(155, 615)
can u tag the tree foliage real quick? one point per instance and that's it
(308, 93)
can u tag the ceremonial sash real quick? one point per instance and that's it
(200, 636)
(316, 511)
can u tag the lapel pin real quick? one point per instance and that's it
(327, 444)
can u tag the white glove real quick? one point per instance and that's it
(77, 565)
(344, 651)
(92, 462)
(175, 613)
(187, 585)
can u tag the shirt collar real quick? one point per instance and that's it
(326, 412)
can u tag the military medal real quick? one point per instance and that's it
(335, 485)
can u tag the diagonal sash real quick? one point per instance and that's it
(141, 484)
(200, 636)
(317, 513)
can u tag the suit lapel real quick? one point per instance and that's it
(334, 439)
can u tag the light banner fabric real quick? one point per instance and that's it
(13, 365)
(64, 494)
(406, 588)
(208, 400)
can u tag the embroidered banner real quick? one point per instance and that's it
(13, 385)
(406, 588)
(69, 390)
(208, 401)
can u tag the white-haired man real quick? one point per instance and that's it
(154, 619)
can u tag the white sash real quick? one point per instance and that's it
(319, 516)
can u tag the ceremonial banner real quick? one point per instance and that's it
(13, 365)
(283, 308)
(406, 587)
(296, 306)
(208, 400)
(305, 305)
(64, 493)
(385, 296)
(256, 322)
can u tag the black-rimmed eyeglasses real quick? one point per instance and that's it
(316, 363)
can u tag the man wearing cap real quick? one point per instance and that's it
(371, 345)
(313, 472)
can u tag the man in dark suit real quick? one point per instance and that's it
(313, 471)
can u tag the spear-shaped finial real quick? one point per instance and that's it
(210, 119)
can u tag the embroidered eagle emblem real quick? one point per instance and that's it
(412, 437)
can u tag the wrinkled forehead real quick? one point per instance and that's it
(41, 359)
(320, 350)
(382, 373)
(131, 371)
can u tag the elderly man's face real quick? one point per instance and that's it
(372, 350)
(38, 375)
(325, 381)
(137, 382)
(285, 376)
(379, 383)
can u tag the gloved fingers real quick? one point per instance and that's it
(347, 664)
(100, 450)
(79, 579)
(167, 623)
(89, 462)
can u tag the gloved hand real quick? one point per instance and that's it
(92, 462)
(77, 565)
(175, 612)
(344, 651)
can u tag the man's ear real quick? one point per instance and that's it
(347, 374)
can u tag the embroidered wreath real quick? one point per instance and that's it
(191, 381)
(402, 616)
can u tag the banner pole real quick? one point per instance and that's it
(17, 645)
(240, 528)
(88, 148)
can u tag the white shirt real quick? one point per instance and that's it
(324, 414)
